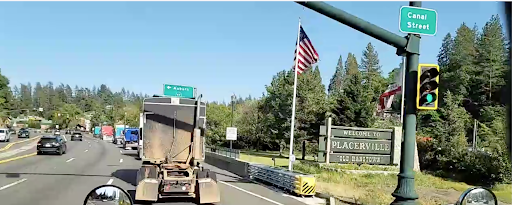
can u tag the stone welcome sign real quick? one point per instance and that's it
(338, 144)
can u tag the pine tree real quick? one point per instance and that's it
(353, 106)
(336, 83)
(489, 74)
(457, 75)
(443, 59)
(372, 73)
(26, 96)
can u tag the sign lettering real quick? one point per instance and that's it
(359, 158)
(360, 146)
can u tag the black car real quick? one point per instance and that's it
(53, 144)
(23, 134)
(76, 136)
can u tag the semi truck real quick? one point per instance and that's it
(173, 152)
(139, 147)
(107, 132)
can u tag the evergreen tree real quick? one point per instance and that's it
(445, 52)
(372, 73)
(489, 74)
(336, 83)
(456, 75)
(353, 106)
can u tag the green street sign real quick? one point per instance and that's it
(179, 91)
(418, 20)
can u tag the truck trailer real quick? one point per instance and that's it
(173, 150)
(141, 124)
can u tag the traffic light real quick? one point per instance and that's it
(428, 84)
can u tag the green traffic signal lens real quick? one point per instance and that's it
(429, 98)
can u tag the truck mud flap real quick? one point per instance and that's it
(207, 188)
(147, 184)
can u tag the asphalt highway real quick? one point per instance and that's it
(67, 179)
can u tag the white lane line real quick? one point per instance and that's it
(12, 184)
(69, 160)
(110, 181)
(120, 151)
(253, 194)
(121, 161)
(86, 150)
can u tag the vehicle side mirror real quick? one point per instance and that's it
(108, 194)
(477, 195)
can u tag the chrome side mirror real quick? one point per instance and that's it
(108, 194)
(477, 196)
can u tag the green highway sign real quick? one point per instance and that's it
(418, 20)
(179, 91)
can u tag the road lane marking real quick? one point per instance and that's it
(69, 160)
(110, 181)
(86, 150)
(19, 157)
(13, 143)
(121, 161)
(16, 151)
(121, 151)
(12, 184)
(253, 194)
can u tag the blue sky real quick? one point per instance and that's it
(219, 47)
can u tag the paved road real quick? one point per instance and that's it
(14, 138)
(67, 179)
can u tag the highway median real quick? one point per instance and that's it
(8, 146)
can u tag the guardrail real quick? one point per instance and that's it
(304, 185)
(301, 184)
(233, 153)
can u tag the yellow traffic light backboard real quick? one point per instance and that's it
(427, 87)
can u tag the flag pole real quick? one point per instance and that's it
(402, 91)
(292, 129)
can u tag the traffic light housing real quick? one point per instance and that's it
(427, 88)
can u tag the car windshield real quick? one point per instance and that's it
(135, 132)
(77, 133)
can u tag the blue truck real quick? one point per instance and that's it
(131, 138)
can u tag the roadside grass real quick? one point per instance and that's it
(369, 188)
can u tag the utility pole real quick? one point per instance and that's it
(233, 98)
(408, 46)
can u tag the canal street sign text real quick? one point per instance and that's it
(418, 20)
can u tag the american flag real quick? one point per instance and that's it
(307, 53)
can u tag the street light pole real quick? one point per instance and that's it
(233, 97)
